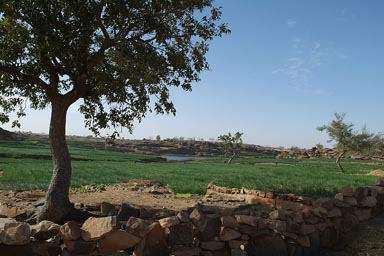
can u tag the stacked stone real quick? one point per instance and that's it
(292, 226)
(361, 203)
(306, 225)
(20, 238)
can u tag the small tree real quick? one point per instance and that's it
(231, 144)
(348, 140)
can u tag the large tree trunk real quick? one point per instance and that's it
(338, 161)
(57, 206)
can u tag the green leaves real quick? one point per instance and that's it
(121, 57)
(231, 143)
(347, 139)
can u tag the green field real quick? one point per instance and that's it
(26, 165)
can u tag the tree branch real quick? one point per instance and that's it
(99, 56)
(53, 74)
(79, 82)
(99, 21)
(27, 78)
(60, 68)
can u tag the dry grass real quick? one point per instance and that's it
(378, 173)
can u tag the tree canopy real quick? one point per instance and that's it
(347, 139)
(231, 144)
(118, 57)
(115, 55)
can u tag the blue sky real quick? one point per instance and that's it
(287, 66)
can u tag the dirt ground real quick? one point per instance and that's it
(142, 193)
(365, 239)
(136, 192)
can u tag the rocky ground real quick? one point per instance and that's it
(138, 193)
(364, 239)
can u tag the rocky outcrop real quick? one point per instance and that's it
(7, 135)
(307, 153)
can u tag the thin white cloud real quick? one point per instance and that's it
(297, 40)
(291, 23)
(318, 55)
(301, 66)
(345, 14)
(342, 56)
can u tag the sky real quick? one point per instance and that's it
(285, 69)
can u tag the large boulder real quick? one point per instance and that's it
(70, 231)
(154, 243)
(137, 227)
(126, 211)
(12, 212)
(229, 222)
(44, 230)
(14, 233)
(181, 234)
(211, 229)
(246, 219)
(116, 241)
(96, 228)
(227, 234)
(198, 219)
(169, 221)
(183, 216)
(107, 209)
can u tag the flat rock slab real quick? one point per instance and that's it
(95, 228)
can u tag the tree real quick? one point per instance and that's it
(348, 140)
(114, 56)
(231, 144)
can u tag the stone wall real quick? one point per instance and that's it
(269, 224)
